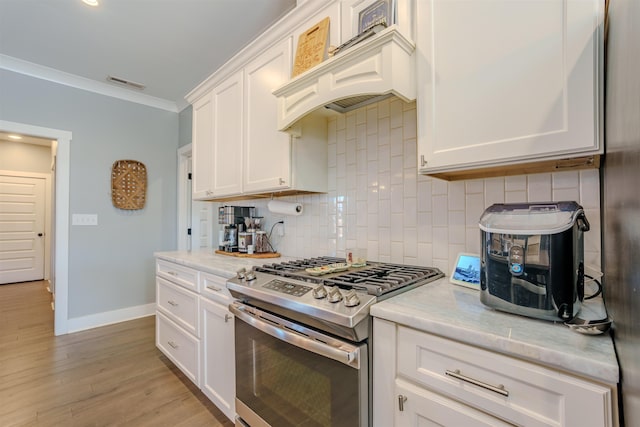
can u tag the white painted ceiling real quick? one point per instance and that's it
(170, 46)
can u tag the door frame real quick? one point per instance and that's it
(47, 213)
(61, 148)
(184, 198)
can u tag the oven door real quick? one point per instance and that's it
(289, 375)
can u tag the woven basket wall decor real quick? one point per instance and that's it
(128, 184)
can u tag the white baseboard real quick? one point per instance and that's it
(109, 317)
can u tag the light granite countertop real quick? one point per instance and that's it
(456, 312)
(210, 262)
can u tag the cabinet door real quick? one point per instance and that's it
(504, 81)
(218, 356)
(267, 163)
(421, 407)
(182, 348)
(202, 147)
(520, 392)
(227, 136)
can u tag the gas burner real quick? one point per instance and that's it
(374, 278)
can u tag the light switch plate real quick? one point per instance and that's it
(84, 219)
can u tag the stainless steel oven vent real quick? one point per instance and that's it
(348, 104)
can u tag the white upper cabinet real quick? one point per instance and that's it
(217, 140)
(227, 136)
(505, 82)
(267, 164)
(202, 148)
(238, 149)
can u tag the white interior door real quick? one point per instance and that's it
(201, 225)
(195, 218)
(22, 224)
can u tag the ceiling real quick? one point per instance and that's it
(26, 139)
(169, 46)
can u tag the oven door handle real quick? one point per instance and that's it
(340, 351)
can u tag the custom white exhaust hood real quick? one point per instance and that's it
(379, 67)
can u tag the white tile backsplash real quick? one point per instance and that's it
(377, 200)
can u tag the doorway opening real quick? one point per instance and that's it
(59, 228)
(195, 218)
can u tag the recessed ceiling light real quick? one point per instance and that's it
(16, 137)
(93, 3)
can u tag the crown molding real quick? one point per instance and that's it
(56, 76)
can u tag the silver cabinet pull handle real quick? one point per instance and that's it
(173, 303)
(227, 317)
(401, 400)
(496, 389)
(214, 288)
(172, 273)
(172, 344)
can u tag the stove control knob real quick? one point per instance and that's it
(250, 276)
(240, 273)
(319, 292)
(334, 294)
(351, 299)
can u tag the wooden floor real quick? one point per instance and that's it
(108, 376)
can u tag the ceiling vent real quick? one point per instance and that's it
(127, 83)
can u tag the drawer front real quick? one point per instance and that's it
(178, 345)
(180, 305)
(425, 408)
(215, 288)
(516, 391)
(183, 276)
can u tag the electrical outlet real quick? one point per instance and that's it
(84, 219)
(281, 230)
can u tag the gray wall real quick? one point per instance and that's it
(184, 125)
(111, 266)
(18, 156)
(621, 209)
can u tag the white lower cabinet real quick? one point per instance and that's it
(194, 329)
(218, 354)
(177, 306)
(424, 379)
(421, 407)
(178, 345)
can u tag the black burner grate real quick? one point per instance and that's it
(375, 278)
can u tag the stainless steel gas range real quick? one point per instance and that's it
(303, 339)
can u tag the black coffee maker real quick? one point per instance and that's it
(231, 218)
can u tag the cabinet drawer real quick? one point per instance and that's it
(178, 345)
(424, 407)
(180, 305)
(516, 391)
(183, 276)
(215, 288)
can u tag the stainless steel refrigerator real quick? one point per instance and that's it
(621, 196)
